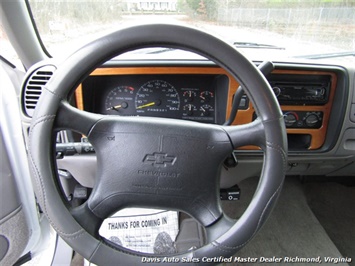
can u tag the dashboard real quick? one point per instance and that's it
(205, 94)
(317, 101)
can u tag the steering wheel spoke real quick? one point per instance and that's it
(247, 134)
(87, 219)
(218, 228)
(69, 117)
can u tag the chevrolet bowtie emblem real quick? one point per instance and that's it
(158, 159)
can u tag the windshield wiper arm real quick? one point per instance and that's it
(328, 55)
(255, 45)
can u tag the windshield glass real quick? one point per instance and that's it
(261, 29)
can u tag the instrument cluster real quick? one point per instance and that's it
(188, 97)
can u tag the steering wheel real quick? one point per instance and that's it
(188, 180)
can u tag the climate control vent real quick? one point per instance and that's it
(34, 86)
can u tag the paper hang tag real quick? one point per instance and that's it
(144, 230)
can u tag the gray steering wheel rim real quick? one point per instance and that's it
(73, 70)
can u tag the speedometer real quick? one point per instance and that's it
(157, 96)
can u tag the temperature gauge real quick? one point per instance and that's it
(206, 96)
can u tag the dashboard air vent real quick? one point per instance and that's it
(34, 85)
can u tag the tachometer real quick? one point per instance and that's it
(157, 96)
(119, 100)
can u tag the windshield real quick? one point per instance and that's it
(261, 29)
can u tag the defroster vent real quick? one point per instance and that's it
(34, 86)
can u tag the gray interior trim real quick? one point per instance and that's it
(16, 76)
(9, 197)
(15, 148)
(81, 167)
(4, 246)
(14, 229)
(63, 253)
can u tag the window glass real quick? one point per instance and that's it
(286, 28)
